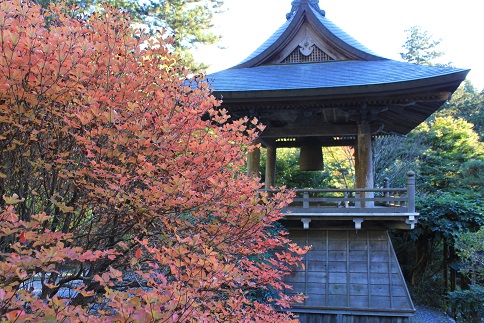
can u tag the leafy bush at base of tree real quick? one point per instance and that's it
(467, 305)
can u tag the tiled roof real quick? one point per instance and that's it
(352, 77)
(323, 75)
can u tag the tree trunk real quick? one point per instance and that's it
(423, 256)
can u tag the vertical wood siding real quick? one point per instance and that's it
(334, 318)
(349, 271)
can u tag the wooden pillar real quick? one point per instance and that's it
(253, 162)
(270, 179)
(411, 191)
(364, 161)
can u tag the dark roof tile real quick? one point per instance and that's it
(322, 75)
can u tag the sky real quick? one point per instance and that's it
(378, 24)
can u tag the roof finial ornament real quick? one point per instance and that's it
(297, 3)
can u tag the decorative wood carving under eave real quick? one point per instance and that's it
(306, 47)
(316, 55)
(364, 113)
(297, 131)
(329, 103)
(326, 123)
(323, 141)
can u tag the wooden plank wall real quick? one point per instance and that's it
(333, 318)
(349, 271)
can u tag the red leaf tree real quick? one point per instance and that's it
(117, 189)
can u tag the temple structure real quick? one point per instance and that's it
(313, 85)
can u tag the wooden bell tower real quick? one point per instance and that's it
(312, 84)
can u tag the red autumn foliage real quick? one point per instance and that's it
(115, 188)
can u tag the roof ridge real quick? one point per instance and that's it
(297, 3)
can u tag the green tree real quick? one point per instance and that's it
(189, 21)
(450, 172)
(449, 163)
(442, 219)
(466, 103)
(340, 163)
(452, 145)
(420, 47)
(338, 169)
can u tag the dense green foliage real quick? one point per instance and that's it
(450, 145)
(466, 305)
(450, 172)
(467, 103)
(446, 215)
(470, 247)
(443, 217)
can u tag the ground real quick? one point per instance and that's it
(429, 315)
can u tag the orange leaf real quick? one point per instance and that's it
(14, 315)
(138, 253)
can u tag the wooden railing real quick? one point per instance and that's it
(357, 200)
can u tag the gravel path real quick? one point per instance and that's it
(429, 315)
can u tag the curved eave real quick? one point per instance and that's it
(328, 30)
(444, 83)
(283, 81)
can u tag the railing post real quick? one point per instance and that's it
(306, 200)
(395, 202)
(358, 203)
(386, 184)
(411, 192)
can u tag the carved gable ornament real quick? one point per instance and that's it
(306, 47)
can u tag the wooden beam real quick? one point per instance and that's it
(298, 130)
(325, 142)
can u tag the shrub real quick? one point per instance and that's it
(467, 305)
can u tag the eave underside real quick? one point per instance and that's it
(334, 121)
